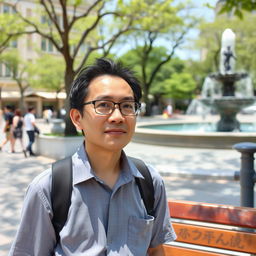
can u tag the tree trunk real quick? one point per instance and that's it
(22, 102)
(147, 101)
(70, 129)
(22, 91)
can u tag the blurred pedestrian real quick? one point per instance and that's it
(1, 117)
(30, 126)
(8, 116)
(17, 129)
(169, 110)
(62, 113)
(47, 114)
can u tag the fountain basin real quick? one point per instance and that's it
(193, 139)
(228, 107)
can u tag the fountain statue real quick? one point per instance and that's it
(228, 91)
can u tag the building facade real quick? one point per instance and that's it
(28, 46)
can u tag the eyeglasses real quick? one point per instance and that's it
(106, 107)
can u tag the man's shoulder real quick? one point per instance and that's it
(156, 177)
(42, 182)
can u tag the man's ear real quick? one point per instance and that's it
(76, 118)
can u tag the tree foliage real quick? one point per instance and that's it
(10, 26)
(19, 72)
(48, 70)
(179, 86)
(238, 6)
(164, 26)
(78, 29)
(75, 30)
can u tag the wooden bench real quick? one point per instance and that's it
(212, 230)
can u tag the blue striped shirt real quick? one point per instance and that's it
(101, 221)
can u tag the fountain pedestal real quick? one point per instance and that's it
(228, 123)
(228, 107)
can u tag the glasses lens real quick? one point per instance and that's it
(129, 108)
(103, 107)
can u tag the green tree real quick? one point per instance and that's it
(158, 89)
(180, 86)
(164, 26)
(75, 29)
(238, 6)
(10, 26)
(19, 72)
(48, 73)
(10, 29)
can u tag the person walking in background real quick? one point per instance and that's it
(47, 114)
(169, 110)
(8, 116)
(30, 126)
(17, 129)
(1, 117)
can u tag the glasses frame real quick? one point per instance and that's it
(93, 102)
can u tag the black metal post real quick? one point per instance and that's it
(247, 173)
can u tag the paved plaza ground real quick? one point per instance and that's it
(201, 175)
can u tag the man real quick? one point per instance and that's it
(8, 116)
(29, 122)
(107, 215)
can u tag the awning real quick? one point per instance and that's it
(45, 95)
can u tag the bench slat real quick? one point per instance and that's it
(215, 237)
(180, 251)
(222, 214)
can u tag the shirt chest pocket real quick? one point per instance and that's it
(139, 234)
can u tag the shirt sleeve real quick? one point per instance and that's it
(35, 235)
(163, 231)
(32, 118)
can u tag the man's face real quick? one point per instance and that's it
(106, 132)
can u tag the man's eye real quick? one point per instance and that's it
(128, 105)
(103, 105)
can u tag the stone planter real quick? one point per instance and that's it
(57, 147)
(57, 126)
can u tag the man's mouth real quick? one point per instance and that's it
(115, 131)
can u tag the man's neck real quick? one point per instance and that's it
(105, 164)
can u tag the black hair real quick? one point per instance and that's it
(30, 109)
(102, 66)
(9, 107)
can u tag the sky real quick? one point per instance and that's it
(200, 10)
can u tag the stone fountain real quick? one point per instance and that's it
(228, 92)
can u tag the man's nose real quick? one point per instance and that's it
(116, 115)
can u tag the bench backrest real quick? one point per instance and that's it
(211, 226)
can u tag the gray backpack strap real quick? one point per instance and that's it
(145, 185)
(61, 192)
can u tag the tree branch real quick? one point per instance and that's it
(168, 58)
(111, 42)
(37, 30)
(92, 27)
(75, 18)
(52, 15)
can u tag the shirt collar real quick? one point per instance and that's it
(82, 170)
(129, 167)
